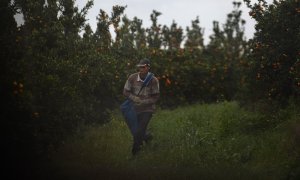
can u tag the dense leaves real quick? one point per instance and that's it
(275, 56)
(57, 74)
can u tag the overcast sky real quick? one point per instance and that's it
(181, 11)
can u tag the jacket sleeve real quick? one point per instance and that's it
(127, 88)
(127, 92)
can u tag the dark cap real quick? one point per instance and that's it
(144, 62)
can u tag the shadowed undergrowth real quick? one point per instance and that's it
(216, 141)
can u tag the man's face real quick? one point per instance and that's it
(144, 69)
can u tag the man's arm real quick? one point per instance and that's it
(127, 88)
(126, 93)
(150, 100)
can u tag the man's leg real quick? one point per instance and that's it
(143, 121)
(148, 136)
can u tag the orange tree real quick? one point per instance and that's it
(275, 56)
(193, 72)
(55, 89)
(67, 80)
(226, 53)
(14, 113)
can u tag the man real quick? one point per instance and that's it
(144, 101)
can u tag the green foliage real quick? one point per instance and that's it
(207, 141)
(58, 84)
(275, 48)
(14, 112)
(68, 80)
(154, 38)
(194, 36)
(226, 51)
(172, 37)
(55, 80)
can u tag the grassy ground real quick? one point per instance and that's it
(216, 141)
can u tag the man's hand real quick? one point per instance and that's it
(135, 99)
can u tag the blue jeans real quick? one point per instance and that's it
(143, 121)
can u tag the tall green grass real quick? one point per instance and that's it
(209, 141)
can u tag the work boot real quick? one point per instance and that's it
(148, 138)
(135, 149)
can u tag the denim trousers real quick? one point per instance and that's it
(143, 121)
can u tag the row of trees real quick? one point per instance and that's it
(54, 80)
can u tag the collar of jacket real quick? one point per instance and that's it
(139, 78)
